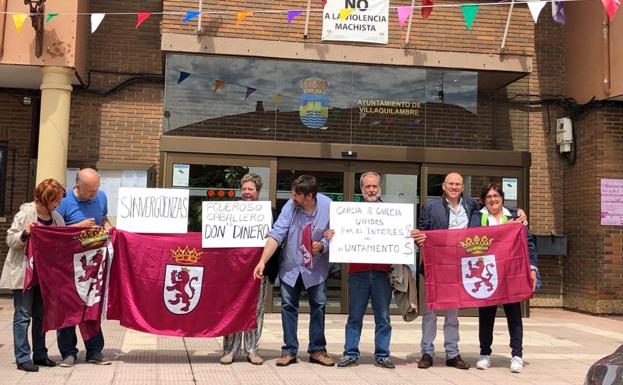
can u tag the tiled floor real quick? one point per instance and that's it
(559, 346)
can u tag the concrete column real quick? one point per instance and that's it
(54, 125)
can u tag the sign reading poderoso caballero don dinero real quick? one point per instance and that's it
(367, 20)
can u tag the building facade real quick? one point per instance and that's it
(219, 96)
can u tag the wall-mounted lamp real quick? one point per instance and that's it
(37, 15)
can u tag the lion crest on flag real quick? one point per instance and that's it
(89, 274)
(182, 283)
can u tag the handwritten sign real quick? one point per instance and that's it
(612, 202)
(235, 223)
(152, 210)
(371, 233)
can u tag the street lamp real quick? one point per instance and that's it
(37, 14)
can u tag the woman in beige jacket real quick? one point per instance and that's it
(29, 304)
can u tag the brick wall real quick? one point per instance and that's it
(546, 211)
(15, 130)
(594, 270)
(125, 125)
(485, 36)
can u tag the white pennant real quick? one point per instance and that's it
(535, 8)
(96, 19)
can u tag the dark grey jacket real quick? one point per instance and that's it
(435, 213)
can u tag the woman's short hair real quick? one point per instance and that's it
(253, 178)
(48, 191)
(491, 186)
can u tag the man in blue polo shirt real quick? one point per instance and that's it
(84, 206)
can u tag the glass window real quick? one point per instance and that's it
(287, 100)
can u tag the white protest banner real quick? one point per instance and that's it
(356, 20)
(153, 210)
(235, 223)
(371, 233)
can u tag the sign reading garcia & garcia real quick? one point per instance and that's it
(365, 21)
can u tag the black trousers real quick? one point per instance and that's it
(486, 321)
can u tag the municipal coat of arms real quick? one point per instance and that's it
(314, 106)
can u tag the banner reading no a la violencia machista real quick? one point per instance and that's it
(356, 20)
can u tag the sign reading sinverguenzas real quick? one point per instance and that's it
(371, 233)
(235, 223)
(152, 210)
(356, 20)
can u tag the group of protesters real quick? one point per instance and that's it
(285, 256)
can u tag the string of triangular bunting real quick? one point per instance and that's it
(469, 10)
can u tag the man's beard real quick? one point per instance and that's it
(371, 198)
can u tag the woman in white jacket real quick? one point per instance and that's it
(29, 304)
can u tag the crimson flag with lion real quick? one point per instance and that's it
(478, 266)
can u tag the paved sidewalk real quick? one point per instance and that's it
(559, 346)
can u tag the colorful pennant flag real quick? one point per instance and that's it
(611, 7)
(141, 17)
(96, 19)
(535, 7)
(403, 14)
(344, 12)
(292, 15)
(558, 11)
(183, 76)
(50, 16)
(427, 8)
(18, 20)
(278, 98)
(218, 84)
(324, 3)
(190, 15)
(469, 14)
(241, 16)
(250, 90)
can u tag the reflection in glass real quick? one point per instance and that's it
(295, 100)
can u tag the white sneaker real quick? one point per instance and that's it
(516, 364)
(483, 362)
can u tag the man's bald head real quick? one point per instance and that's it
(453, 187)
(453, 176)
(87, 184)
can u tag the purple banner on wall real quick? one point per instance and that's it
(612, 202)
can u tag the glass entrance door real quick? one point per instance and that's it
(339, 180)
(332, 179)
(512, 179)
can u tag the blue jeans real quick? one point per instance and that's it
(28, 305)
(67, 342)
(363, 286)
(290, 316)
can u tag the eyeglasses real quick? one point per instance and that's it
(496, 196)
